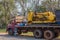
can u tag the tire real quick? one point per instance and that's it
(10, 32)
(19, 32)
(48, 34)
(37, 33)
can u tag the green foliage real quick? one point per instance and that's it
(6, 7)
(50, 5)
(41, 9)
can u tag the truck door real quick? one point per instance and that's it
(57, 13)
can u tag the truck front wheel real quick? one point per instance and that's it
(48, 34)
(10, 32)
(19, 32)
(37, 33)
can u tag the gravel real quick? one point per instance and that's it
(20, 37)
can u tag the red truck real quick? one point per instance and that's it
(47, 31)
(14, 28)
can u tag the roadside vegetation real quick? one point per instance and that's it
(3, 30)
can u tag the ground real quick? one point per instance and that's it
(5, 36)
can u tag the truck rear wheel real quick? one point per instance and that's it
(48, 34)
(37, 33)
(10, 32)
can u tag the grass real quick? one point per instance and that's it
(3, 30)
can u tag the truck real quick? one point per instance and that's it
(41, 24)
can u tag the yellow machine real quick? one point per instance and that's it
(42, 17)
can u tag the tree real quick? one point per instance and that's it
(28, 5)
(6, 8)
(51, 5)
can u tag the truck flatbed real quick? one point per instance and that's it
(41, 25)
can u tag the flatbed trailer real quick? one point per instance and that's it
(47, 31)
(41, 26)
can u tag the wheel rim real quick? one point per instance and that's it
(48, 34)
(38, 33)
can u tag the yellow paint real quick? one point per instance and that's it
(45, 17)
(30, 15)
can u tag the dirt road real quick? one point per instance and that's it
(20, 37)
